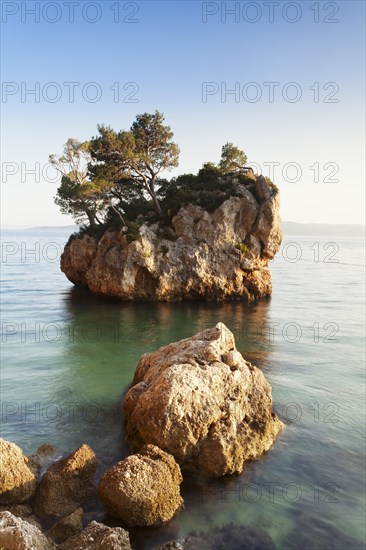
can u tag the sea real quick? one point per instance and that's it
(68, 358)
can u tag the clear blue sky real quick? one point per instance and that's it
(169, 52)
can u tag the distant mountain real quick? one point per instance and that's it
(319, 229)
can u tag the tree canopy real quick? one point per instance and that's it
(116, 178)
(138, 155)
(232, 158)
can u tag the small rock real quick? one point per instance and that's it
(19, 534)
(67, 527)
(17, 482)
(23, 511)
(66, 484)
(97, 536)
(142, 489)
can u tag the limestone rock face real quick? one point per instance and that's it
(17, 481)
(212, 256)
(18, 534)
(97, 536)
(143, 489)
(199, 400)
(66, 484)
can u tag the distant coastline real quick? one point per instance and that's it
(288, 228)
(326, 229)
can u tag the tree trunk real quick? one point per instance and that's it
(157, 206)
(91, 219)
(118, 213)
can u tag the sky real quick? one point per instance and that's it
(284, 81)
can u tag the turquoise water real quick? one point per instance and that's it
(69, 357)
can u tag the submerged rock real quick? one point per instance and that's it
(66, 484)
(199, 400)
(143, 489)
(18, 534)
(233, 537)
(97, 536)
(17, 481)
(213, 256)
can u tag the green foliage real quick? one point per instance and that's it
(271, 184)
(243, 249)
(114, 180)
(209, 171)
(138, 155)
(133, 232)
(111, 176)
(232, 158)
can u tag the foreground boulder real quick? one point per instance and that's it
(98, 537)
(143, 489)
(18, 534)
(66, 484)
(216, 255)
(17, 481)
(199, 400)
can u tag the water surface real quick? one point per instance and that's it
(68, 358)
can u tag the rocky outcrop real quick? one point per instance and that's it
(213, 256)
(17, 481)
(66, 484)
(143, 489)
(199, 400)
(18, 534)
(98, 537)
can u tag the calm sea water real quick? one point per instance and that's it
(69, 357)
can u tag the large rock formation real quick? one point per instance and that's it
(66, 484)
(17, 481)
(200, 401)
(143, 489)
(212, 256)
(18, 534)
